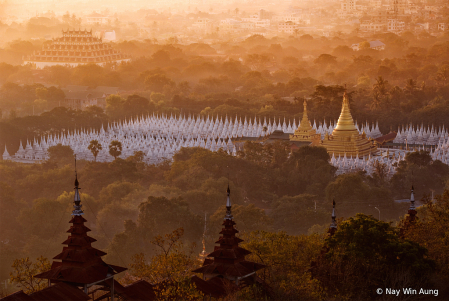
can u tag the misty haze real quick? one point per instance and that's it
(224, 150)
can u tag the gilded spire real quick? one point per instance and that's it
(345, 121)
(305, 119)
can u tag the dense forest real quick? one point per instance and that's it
(128, 203)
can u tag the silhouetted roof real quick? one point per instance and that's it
(57, 292)
(60, 291)
(376, 43)
(17, 296)
(386, 138)
(216, 287)
(106, 89)
(74, 88)
(138, 291)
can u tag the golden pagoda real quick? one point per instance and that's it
(305, 131)
(345, 138)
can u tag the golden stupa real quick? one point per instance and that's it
(305, 131)
(345, 138)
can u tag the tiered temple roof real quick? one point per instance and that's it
(80, 263)
(73, 48)
(226, 269)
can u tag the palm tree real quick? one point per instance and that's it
(380, 93)
(115, 148)
(95, 147)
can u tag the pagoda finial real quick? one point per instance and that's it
(77, 199)
(228, 215)
(304, 115)
(334, 222)
(412, 199)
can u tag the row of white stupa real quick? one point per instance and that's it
(421, 135)
(160, 137)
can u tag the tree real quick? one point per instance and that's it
(115, 148)
(364, 45)
(95, 147)
(380, 94)
(61, 154)
(419, 170)
(41, 93)
(365, 254)
(170, 262)
(431, 230)
(114, 105)
(287, 259)
(24, 271)
(157, 215)
(249, 217)
(297, 214)
(325, 59)
(157, 82)
(343, 50)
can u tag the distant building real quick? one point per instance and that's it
(203, 25)
(376, 45)
(287, 27)
(287, 18)
(81, 97)
(348, 5)
(398, 7)
(443, 26)
(394, 25)
(95, 18)
(230, 25)
(373, 27)
(107, 36)
(75, 48)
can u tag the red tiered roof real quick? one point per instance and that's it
(226, 264)
(80, 262)
(228, 258)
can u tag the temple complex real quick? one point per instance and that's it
(346, 139)
(226, 270)
(75, 47)
(305, 131)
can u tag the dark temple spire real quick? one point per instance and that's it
(228, 205)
